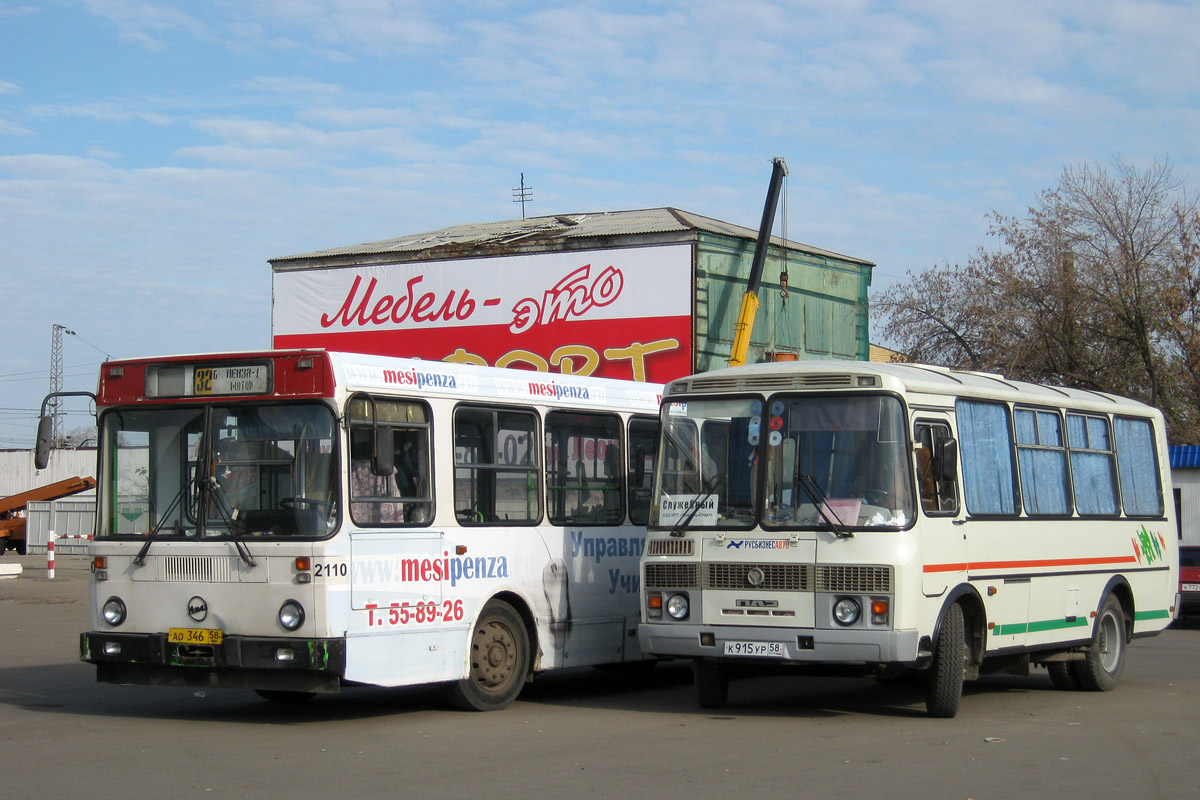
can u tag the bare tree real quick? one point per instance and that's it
(1096, 287)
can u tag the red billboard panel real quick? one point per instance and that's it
(622, 313)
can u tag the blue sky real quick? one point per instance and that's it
(154, 155)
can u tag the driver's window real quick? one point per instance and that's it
(935, 484)
(403, 496)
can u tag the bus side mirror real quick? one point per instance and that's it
(383, 459)
(947, 466)
(41, 453)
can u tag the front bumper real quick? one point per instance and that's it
(242, 662)
(800, 645)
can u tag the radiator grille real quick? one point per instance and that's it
(775, 577)
(709, 384)
(671, 576)
(197, 568)
(854, 579)
(829, 380)
(670, 547)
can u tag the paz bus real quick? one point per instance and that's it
(293, 522)
(900, 520)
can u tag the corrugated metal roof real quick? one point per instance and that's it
(558, 227)
(1186, 456)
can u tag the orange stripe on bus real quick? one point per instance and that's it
(1053, 562)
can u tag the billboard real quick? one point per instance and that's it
(621, 313)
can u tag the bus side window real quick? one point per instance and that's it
(583, 468)
(936, 470)
(643, 456)
(497, 469)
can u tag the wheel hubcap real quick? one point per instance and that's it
(494, 651)
(1109, 643)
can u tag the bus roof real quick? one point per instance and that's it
(933, 381)
(122, 380)
(362, 372)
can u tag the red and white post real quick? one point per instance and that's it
(50, 555)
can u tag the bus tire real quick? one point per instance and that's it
(499, 661)
(711, 679)
(1062, 675)
(945, 679)
(1104, 659)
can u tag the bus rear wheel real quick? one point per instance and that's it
(944, 690)
(499, 654)
(1062, 675)
(1104, 659)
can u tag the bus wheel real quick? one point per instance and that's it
(944, 689)
(1105, 656)
(711, 679)
(499, 661)
(1062, 675)
(281, 696)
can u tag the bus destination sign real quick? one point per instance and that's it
(241, 379)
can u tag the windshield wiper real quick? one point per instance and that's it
(818, 497)
(710, 487)
(231, 520)
(207, 489)
(140, 559)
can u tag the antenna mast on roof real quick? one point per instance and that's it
(523, 195)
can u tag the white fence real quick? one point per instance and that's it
(67, 518)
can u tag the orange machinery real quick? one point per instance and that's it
(12, 508)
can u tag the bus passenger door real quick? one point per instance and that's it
(943, 534)
(396, 634)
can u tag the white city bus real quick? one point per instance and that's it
(296, 521)
(904, 519)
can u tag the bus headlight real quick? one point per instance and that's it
(846, 611)
(291, 615)
(114, 611)
(677, 606)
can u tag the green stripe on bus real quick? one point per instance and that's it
(1160, 613)
(1044, 625)
(1078, 622)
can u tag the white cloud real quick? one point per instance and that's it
(372, 27)
(146, 23)
(104, 110)
(9, 128)
(282, 85)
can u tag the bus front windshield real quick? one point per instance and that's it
(838, 461)
(219, 472)
(821, 462)
(708, 465)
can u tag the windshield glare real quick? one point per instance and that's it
(832, 461)
(244, 470)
